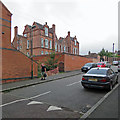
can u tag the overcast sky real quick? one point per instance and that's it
(94, 22)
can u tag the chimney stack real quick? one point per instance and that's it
(69, 33)
(15, 30)
(53, 27)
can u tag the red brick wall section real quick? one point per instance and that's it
(6, 26)
(72, 62)
(16, 65)
(44, 58)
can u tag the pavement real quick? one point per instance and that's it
(106, 107)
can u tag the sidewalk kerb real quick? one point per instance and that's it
(35, 83)
(98, 103)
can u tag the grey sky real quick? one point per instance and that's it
(94, 22)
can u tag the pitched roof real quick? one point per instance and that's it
(42, 27)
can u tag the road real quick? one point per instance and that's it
(67, 94)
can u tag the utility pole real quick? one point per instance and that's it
(32, 50)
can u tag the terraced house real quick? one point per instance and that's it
(44, 41)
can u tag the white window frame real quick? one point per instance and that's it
(75, 42)
(46, 31)
(25, 35)
(28, 44)
(28, 54)
(42, 53)
(46, 52)
(64, 49)
(55, 46)
(18, 48)
(50, 44)
(42, 42)
(58, 48)
(46, 43)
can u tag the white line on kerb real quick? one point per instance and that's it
(25, 99)
(73, 83)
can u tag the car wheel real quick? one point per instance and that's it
(110, 87)
(117, 80)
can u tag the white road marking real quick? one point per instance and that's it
(73, 83)
(51, 108)
(25, 99)
(34, 102)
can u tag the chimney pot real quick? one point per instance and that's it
(15, 30)
(53, 27)
(68, 33)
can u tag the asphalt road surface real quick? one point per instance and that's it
(39, 101)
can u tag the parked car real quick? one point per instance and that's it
(119, 68)
(88, 66)
(101, 64)
(107, 64)
(115, 63)
(104, 78)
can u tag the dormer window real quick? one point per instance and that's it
(25, 35)
(46, 31)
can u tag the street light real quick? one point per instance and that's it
(32, 51)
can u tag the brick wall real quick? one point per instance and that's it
(5, 16)
(74, 62)
(71, 62)
(16, 65)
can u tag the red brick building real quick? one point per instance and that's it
(44, 41)
(14, 64)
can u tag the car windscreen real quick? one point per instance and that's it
(99, 63)
(97, 71)
(88, 64)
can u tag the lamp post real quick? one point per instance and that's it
(32, 50)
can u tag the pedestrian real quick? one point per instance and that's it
(43, 70)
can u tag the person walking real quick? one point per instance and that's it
(43, 69)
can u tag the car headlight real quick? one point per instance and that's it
(88, 67)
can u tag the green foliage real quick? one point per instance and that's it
(51, 63)
(102, 53)
(108, 54)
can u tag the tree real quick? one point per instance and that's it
(102, 53)
(51, 63)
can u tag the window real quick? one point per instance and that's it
(58, 48)
(46, 43)
(46, 52)
(17, 47)
(25, 35)
(42, 42)
(20, 47)
(64, 49)
(61, 49)
(55, 46)
(46, 31)
(28, 54)
(27, 44)
(42, 52)
(75, 50)
(75, 42)
(50, 44)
